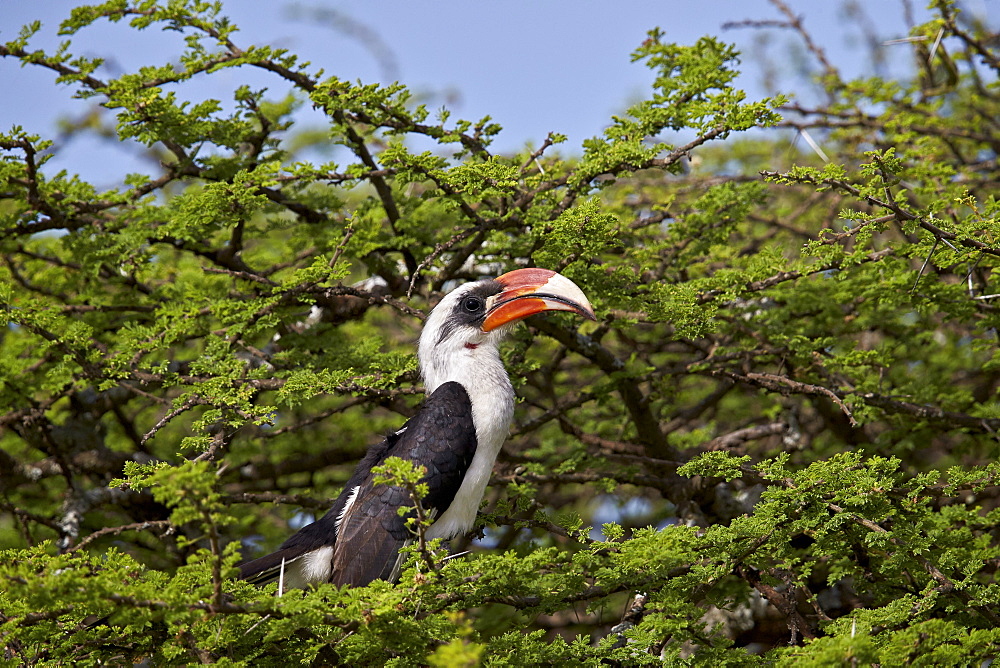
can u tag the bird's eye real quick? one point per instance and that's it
(472, 304)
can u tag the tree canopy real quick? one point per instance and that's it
(777, 445)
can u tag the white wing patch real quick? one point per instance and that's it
(347, 507)
(313, 567)
(316, 566)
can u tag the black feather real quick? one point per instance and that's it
(440, 437)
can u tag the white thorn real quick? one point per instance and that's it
(813, 145)
(905, 40)
(937, 43)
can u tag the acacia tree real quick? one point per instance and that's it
(777, 444)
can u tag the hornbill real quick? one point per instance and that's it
(456, 435)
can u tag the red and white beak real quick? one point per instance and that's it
(530, 291)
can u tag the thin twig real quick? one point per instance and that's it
(114, 531)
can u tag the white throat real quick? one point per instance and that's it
(480, 371)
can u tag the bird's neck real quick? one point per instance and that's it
(480, 371)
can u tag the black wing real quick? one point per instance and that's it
(363, 526)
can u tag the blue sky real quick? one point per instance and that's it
(535, 67)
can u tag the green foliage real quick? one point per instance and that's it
(780, 438)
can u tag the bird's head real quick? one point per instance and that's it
(469, 322)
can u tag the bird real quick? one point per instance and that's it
(456, 435)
